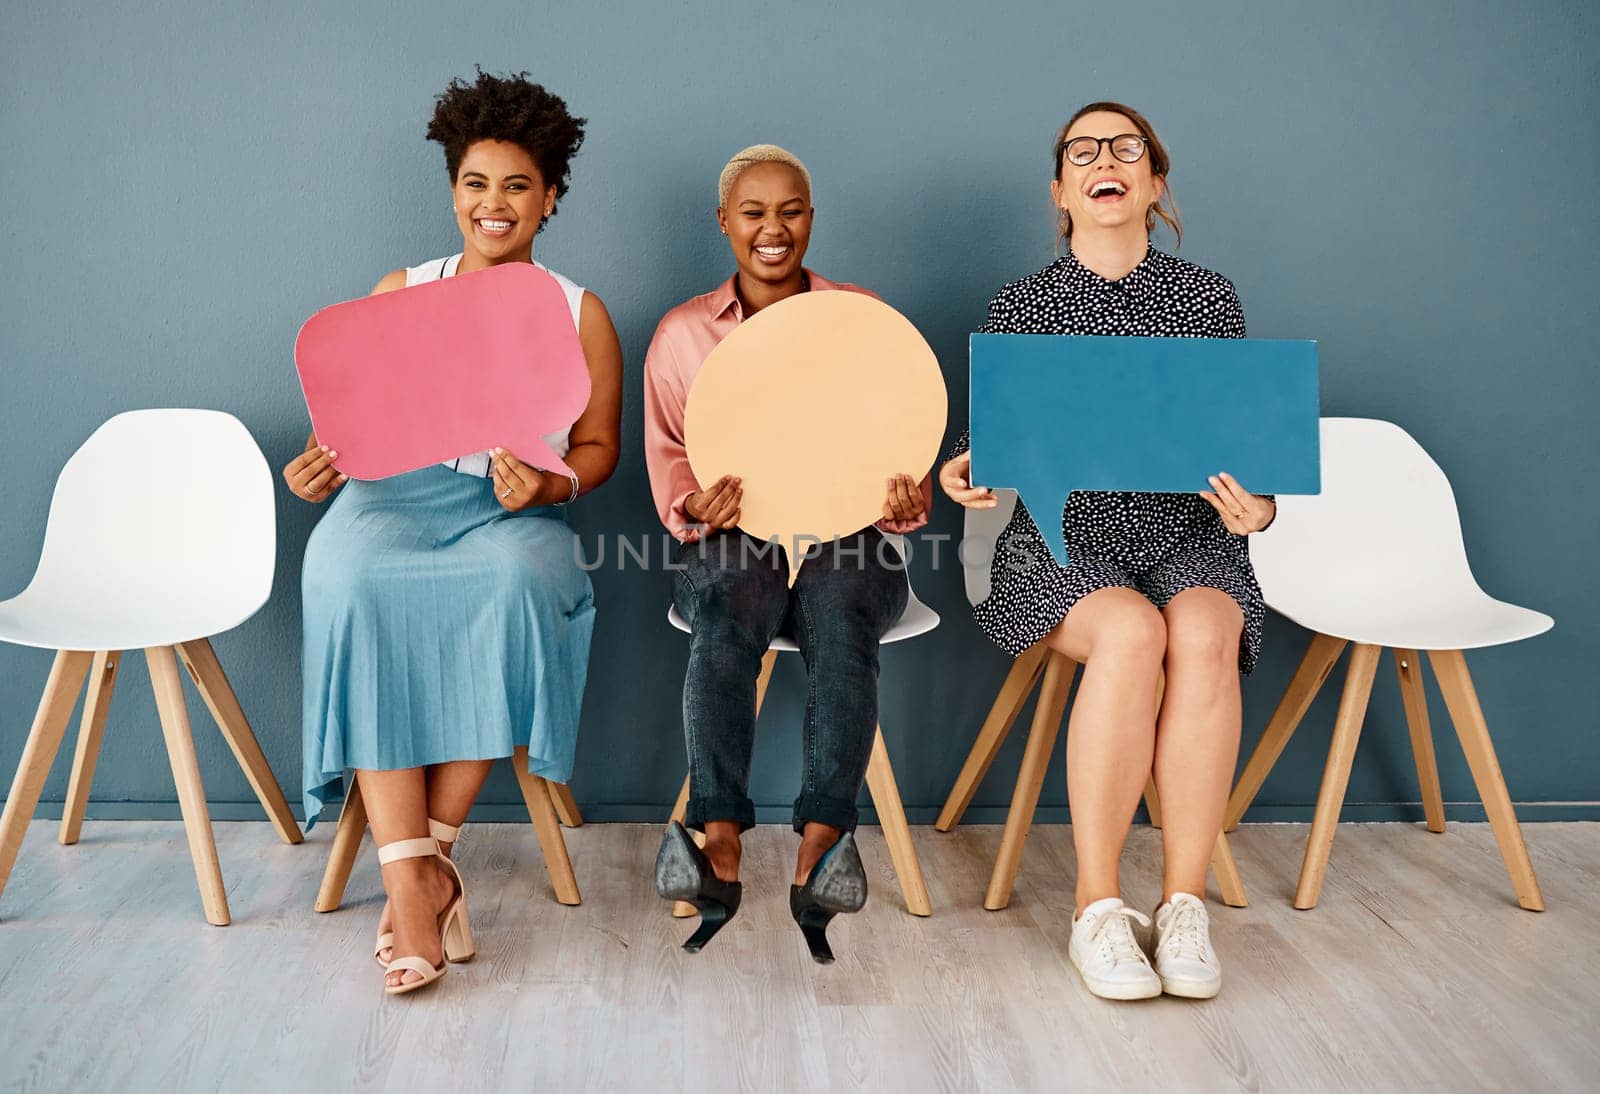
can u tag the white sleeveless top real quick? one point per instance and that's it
(478, 462)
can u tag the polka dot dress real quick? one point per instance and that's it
(1158, 544)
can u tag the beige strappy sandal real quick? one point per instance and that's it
(427, 972)
(455, 932)
(454, 926)
(442, 833)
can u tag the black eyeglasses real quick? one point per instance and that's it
(1082, 151)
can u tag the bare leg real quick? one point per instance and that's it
(1120, 638)
(397, 808)
(814, 843)
(723, 848)
(1197, 738)
(451, 789)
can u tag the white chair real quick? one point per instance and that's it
(983, 527)
(1377, 560)
(160, 534)
(917, 619)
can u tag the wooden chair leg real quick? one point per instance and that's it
(1336, 775)
(186, 774)
(1409, 668)
(1152, 802)
(680, 808)
(44, 739)
(896, 832)
(541, 811)
(1303, 687)
(346, 846)
(1025, 672)
(1461, 699)
(102, 681)
(212, 683)
(1229, 882)
(566, 805)
(1042, 735)
(768, 660)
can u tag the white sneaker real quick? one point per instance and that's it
(1181, 944)
(1107, 955)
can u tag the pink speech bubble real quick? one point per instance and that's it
(410, 378)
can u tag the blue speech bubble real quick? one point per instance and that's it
(1057, 413)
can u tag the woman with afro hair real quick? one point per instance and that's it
(447, 622)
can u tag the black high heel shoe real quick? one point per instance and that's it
(684, 873)
(838, 883)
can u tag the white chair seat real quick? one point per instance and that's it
(1378, 558)
(114, 619)
(917, 619)
(1467, 621)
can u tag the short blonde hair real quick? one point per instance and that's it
(749, 157)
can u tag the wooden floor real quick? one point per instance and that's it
(1416, 972)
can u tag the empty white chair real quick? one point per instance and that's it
(1377, 560)
(980, 531)
(160, 534)
(917, 619)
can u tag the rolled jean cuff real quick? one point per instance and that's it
(834, 812)
(701, 810)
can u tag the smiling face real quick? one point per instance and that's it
(500, 198)
(768, 221)
(1106, 194)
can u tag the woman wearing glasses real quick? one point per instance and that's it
(1156, 582)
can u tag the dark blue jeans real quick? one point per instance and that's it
(734, 592)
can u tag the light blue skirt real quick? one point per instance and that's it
(439, 627)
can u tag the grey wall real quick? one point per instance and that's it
(182, 186)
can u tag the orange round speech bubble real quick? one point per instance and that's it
(816, 402)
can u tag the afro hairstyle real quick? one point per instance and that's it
(513, 109)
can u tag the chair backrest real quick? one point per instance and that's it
(1385, 526)
(1384, 531)
(980, 532)
(898, 544)
(167, 508)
